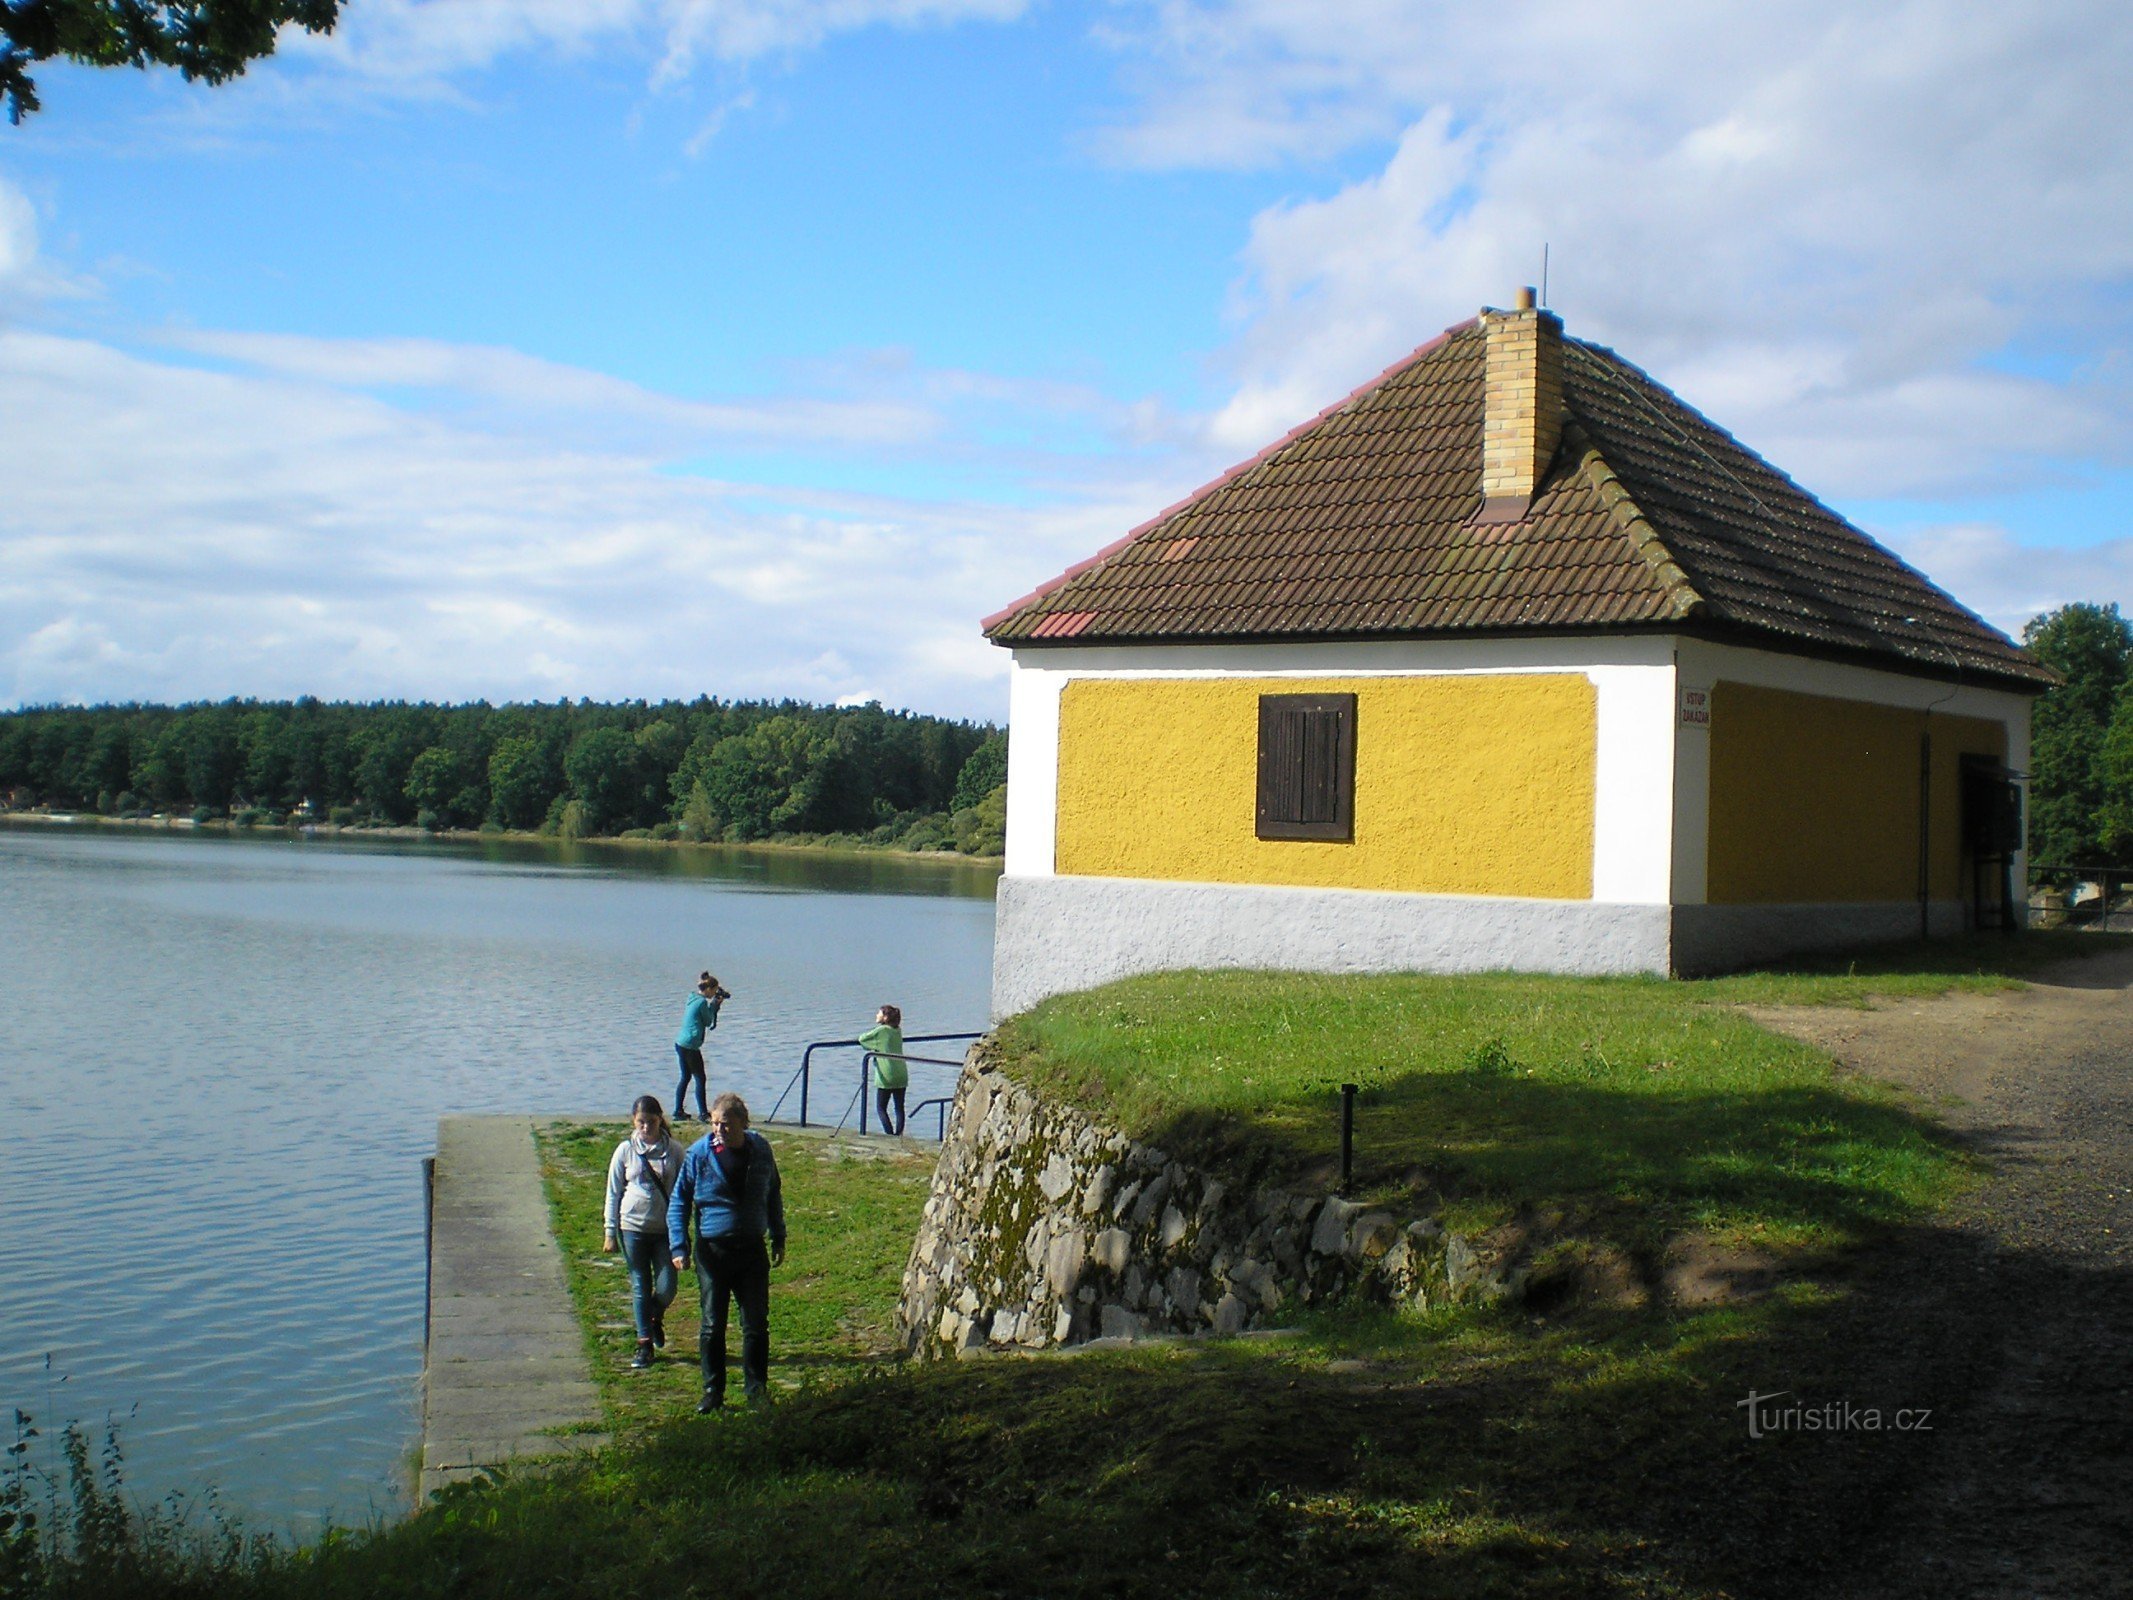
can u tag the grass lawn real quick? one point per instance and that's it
(1638, 1107)
(1465, 1455)
(850, 1213)
(1598, 1449)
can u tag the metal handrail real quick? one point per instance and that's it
(944, 1101)
(801, 1077)
(804, 1076)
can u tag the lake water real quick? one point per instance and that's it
(222, 1062)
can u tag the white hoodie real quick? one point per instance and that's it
(640, 1176)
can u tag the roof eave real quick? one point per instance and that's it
(1696, 624)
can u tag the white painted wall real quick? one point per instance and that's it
(1633, 800)
(1032, 767)
(1056, 934)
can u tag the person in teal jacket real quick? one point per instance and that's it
(699, 1019)
(891, 1076)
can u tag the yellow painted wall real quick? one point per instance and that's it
(1463, 785)
(1816, 800)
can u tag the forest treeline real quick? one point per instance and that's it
(705, 769)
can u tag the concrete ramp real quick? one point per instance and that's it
(505, 1374)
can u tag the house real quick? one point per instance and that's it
(1509, 660)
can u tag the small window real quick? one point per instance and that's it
(1307, 766)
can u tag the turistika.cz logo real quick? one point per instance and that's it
(1766, 1416)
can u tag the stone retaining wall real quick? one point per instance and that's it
(1046, 1229)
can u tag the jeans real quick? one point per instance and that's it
(652, 1284)
(734, 1266)
(692, 1066)
(884, 1099)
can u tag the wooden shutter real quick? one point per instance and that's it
(1306, 766)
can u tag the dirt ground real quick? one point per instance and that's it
(2014, 1310)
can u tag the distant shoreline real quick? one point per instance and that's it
(173, 823)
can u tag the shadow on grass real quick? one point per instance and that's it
(1793, 1159)
(1610, 1455)
(1600, 1455)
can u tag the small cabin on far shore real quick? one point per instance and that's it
(1508, 660)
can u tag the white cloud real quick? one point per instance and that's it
(744, 30)
(421, 45)
(18, 236)
(715, 124)
(1854, 236)
(510, 383)
(2009, 582)
(28, 278)
(178, 532)
(294, 525)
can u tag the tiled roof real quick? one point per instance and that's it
(1361, 524)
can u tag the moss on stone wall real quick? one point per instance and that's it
(1046, 1228)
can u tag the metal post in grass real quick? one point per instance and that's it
(1347, 1136)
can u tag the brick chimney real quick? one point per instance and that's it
(1522, 406)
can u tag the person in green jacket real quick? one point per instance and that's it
(891, 1075)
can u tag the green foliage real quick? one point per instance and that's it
(386, 747)
(567, 818)
(601, 768)
(767, 780)
(985, 771)
(68, 1527)
(2081, 784)
(981, 830)
(2114, 772)
(438, 786)
(699, 818)
(208, 40)
(520, 783)
(928, 833)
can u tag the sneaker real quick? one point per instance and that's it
(709, 1403)
(659, 1329)
(643, 1358)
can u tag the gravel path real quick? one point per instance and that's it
(2016, 1308)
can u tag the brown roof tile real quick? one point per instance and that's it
(1360, 523)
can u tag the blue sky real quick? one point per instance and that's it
(643, 347)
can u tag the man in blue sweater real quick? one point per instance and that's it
(729, 1184)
